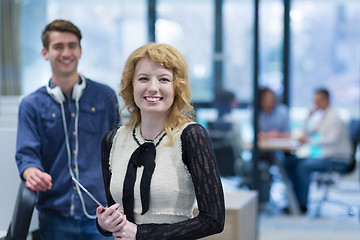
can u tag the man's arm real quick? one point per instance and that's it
(28, 150)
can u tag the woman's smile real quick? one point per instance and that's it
(153, 87)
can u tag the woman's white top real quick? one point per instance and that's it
(172, 195)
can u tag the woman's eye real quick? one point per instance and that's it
(164, 80)
(143, 79)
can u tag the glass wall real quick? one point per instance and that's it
(189, 26)
(238, 48)
(325, 44)
(326, 53)
(271, 21)
(111, 30)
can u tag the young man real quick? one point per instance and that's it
(332, 136)
(60, 127)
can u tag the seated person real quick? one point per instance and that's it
(273, 116)
(273, 123)
(334, 140)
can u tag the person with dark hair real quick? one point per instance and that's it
(330, 133)
(273, 116)
(225, 103)
(273, 123)
(160, 162)
(60, 127)
(60, 26)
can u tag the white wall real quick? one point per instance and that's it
(10, 179)
(9, 106)
(9, 176)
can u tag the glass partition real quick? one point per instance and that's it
(326, 53)
(189, 26)
(239, 48)
(111, 30)
(271, 14)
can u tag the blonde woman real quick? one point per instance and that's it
(158, 164)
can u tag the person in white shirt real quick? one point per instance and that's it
(332, 136)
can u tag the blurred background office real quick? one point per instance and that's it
(290, 46)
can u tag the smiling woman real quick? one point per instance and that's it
(173, 154)
(167, 60)
(153, 90)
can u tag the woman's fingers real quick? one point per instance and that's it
(109, 218)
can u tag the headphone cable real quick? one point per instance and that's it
(76, 154)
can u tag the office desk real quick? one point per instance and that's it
(279, 146)
(241, 216)
(283, 144)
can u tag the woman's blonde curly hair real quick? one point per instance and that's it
(181, 110)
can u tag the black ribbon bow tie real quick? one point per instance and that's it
(144, 155)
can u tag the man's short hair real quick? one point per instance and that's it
(59, 25)
(264, 90)
(323, 92)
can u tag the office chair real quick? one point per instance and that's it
(221, 137)
(327, 179)
(23, 211)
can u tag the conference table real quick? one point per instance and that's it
(280, 146)
(283, 144)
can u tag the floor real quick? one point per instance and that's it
(334, 222)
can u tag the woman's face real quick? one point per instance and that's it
(154, 89)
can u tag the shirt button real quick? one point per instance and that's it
(73, 114)
(75, 170)
(75, 188)
(53, 115)
(93, 109)
(74, 152)
(74, 133)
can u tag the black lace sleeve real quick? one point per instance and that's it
(198, 155)
(106, 145)
(105, 154)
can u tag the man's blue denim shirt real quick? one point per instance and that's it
(41, 144)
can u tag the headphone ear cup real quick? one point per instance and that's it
(78, 90)
(56, 94)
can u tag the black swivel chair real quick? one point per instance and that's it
(327, 179)
(23, 211)
(220, 133)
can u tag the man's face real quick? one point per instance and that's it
(320, 101)
(64, 53)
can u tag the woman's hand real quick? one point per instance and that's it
(109, 219)
(128, 230)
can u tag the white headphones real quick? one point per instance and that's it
(57, 94)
